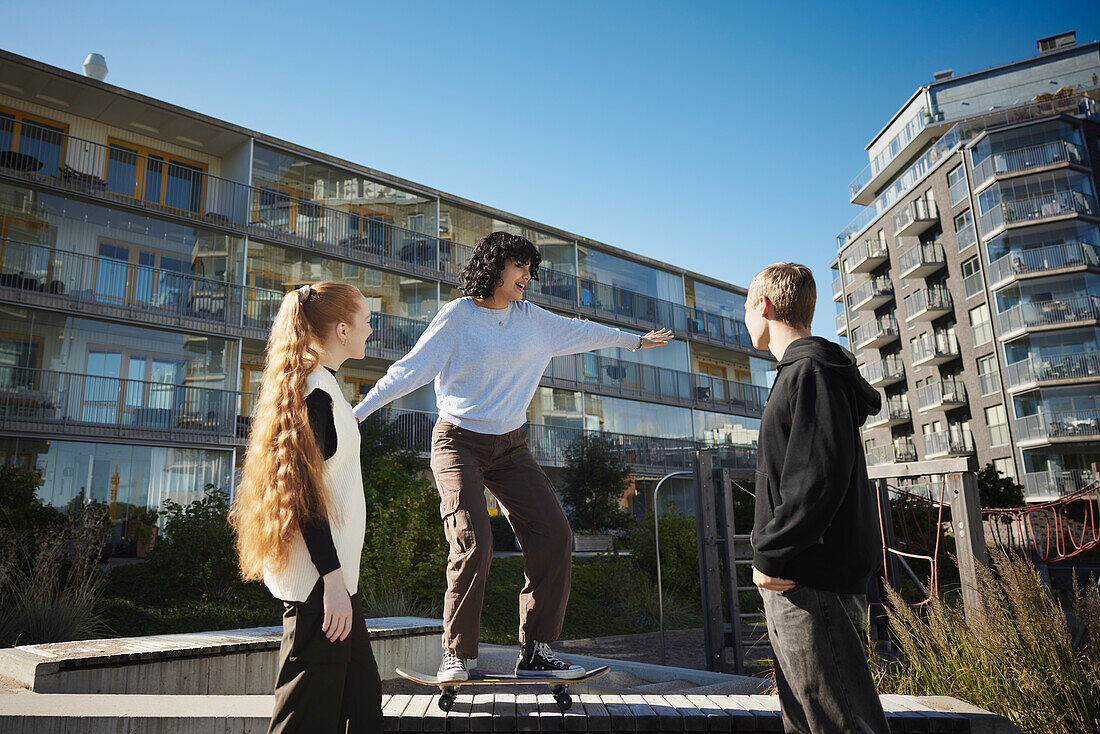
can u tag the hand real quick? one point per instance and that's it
(337, 622)
(657, 338)
(771, 583)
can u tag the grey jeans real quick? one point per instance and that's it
(825, 685)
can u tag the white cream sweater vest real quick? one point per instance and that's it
(344, 481)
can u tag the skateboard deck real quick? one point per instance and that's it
(448, 690)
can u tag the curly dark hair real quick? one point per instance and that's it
(481, 273)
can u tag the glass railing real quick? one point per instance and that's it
(940, 393)
(883, 159)
(957, 192)
(874, 288)
(920, 210)
(1044, 425)
(966, 237)
(932, 298)
(871, 249)
(1025, 159)
(883, 326)
(954, 440)
(116, 406)
(1054, 204)
(1053, 484)
(900, 452)
(887, 368)
(1040, 259)
(990, 382)
(924, 254)
(1053, 368)
(1048, 313)
(841, 322)
(973, 284)
(894, 409)
(939, 344)
(118, 174)
(838, 287)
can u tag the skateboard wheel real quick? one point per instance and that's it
(565, 701)
(446, 702)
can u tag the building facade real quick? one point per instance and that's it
(969, 283)
(144, 249)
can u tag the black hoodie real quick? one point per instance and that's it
(816, 515)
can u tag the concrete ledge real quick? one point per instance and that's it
(232, 662)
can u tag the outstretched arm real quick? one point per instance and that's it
(571, 336)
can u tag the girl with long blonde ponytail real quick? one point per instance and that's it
(299, 513)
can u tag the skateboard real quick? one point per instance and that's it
(448, 690)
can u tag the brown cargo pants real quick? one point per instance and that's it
(465, 463)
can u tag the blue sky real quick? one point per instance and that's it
(716, 136)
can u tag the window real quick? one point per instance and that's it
(996, 422)
(1006, 467)
(964, 230)
(972, 277)
(988, 375)
(40, 143)
(357, 388)
(956, 179)
(154, 177)
(981, 329)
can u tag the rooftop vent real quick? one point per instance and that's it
(945, 74)
(1053, 43)
(95, 67)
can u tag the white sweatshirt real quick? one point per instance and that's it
(487, 363)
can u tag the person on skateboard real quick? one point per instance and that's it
(486, 352)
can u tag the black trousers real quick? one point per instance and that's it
(325, 687)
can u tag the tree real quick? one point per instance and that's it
(996, 491)
(594, 480)
(383, 442)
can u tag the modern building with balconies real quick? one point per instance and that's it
(144, 249)
(978, 244)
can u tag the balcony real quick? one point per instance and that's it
(111, 173)
(877, 333)
(895, 411)
(955, 441)
(900, 452)
(1050, 485)
(966, 237)
(841, 324)
(1057, 427)
(643, 454)
(1046, 315)
(1042, 261)
(872, 294)
(838, 288)
(922, 260)
(883, 167)
(935, 348)
(34, 401)
(608, 376)
(928, 304)
(866, 256)
(945, 394)
(884, 372)
(1052, 206)
(1026, 160)
(1052, 371)
(915, 217)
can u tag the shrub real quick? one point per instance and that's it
(504, 538)
(593, 482)
(996, 491)
(679, 551)
(197, 552)
(1016, 657)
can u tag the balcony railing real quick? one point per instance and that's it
(114, 406)
(935, 348)
(973, 284)
(895, 410)
(1049, 485)
(548, 443)
(915, 217)
(866, 256)
(120, 175)
(955, 441)
(1044, 426)
(928, 303)
(921, 260)
(899, 453)
(630, 379)
(882, 330)
(873, 293)
(1052, 369)
(944, 393)
(957, 192)
(1047, 206)
(885, 371)
(1015, 263)
(1030, 158)
(838, 287)
(841, 323)
(966, 237)
(1048, 314)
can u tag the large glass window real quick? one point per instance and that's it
(716, 300)
(554, 407)
(617, 415)
(32, 144)
(619, 272)
(996, 422)
(722, 428)
(154, 177)
(981, 328)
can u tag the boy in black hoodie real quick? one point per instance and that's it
(815, 540)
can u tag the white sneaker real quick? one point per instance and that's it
(452, 668)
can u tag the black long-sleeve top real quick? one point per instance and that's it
(316, 532)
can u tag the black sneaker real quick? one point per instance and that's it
(536, 661)
(452, 668)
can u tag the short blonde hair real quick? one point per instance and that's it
(791, 289)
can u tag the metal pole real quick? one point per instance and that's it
(657, 550)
